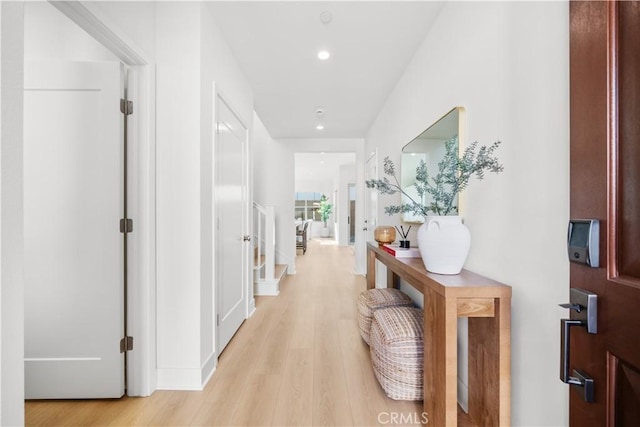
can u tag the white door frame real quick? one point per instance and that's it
(142, 262)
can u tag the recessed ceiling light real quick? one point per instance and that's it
(323, 55)
(319, 127)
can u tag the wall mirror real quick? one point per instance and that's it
(429, 146)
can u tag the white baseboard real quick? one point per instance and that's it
(252, 307)
(266, 288)
(180, 379)
(187, 378)
(208, 368)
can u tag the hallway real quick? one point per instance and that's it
(298, 361)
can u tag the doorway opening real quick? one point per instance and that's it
(73, 34)
(351, 191)
(319, 174)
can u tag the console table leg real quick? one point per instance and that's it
(440, 359)
(371, 269)
(393, 280)
(489, 367)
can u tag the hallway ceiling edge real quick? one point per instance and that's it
(276, 45)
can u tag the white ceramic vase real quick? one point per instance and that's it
(444, 243)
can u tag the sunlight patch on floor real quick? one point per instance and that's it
(327, 242)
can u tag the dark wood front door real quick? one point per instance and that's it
(605, 185)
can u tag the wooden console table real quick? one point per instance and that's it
(487, 304)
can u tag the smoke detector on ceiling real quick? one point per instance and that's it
(326, 17)
(319, 112)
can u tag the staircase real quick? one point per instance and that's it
(266, 273)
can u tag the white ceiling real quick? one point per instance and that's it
(276, 45)
(310, 166)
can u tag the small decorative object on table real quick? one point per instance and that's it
(384, 234)
(444, 241)
(404, 243)
(400, 252)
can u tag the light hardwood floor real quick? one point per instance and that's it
(298, 361)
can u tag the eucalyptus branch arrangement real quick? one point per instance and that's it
(452, 177)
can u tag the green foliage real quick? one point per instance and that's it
(454, 173)
(325, 209)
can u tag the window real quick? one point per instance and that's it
(307, 204)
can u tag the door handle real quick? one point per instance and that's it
(583, 306)
(565, 340)
(578, 378)
(246, 238)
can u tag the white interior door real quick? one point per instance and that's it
(73, 201)
(231, 208)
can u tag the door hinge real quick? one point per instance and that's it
(126, 225)
(217, 320)
(126, 344)
(126, 107)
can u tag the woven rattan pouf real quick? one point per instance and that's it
(375, 299)
(397, 351)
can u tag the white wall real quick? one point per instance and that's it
(323, 184)
(178, 194)
(49, 35)
(191, 56)
(11, 213)
(221, 73)
(507, 64)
